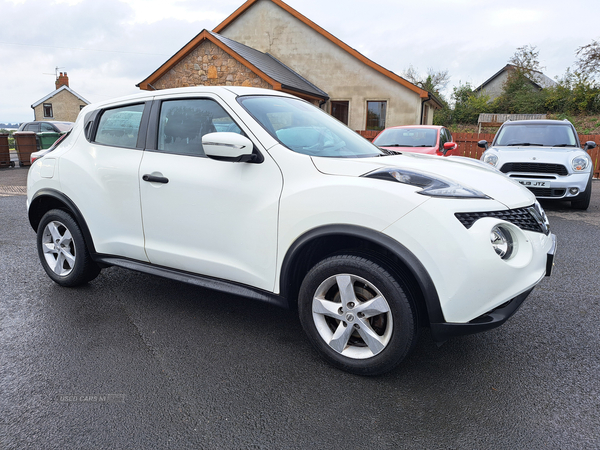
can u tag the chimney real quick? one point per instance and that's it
(62, 80)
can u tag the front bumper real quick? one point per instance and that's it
(441, 332)
(553, 186)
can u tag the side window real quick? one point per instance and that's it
(119, 127)
(443, 137)
(35, 127)
(47, 127)
(183, 123)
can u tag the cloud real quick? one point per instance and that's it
(108, 46)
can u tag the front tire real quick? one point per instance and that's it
(62, 250)
(356, 314)
(583, 201)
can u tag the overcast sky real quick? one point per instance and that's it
(108, 46)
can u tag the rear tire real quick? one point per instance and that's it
(62, 250)
(357, 315)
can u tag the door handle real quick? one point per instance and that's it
(155, 179)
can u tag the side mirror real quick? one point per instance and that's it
(483, 144)
(226, 146)
(448, 146)
(589, 145)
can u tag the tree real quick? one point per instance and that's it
(519, 95)
(434, 81)
(525, 60)
(589, 58)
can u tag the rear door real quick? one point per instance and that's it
(102, 180)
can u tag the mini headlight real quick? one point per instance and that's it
(490, 159)
(502, 241)
(579, 163)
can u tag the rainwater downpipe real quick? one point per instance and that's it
(422, 108)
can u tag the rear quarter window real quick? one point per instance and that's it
(119, 127)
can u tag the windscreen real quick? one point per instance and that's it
(407, 137)
(540, 135)
(306, 129)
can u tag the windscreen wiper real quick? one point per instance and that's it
(389, 152)
(525, 144)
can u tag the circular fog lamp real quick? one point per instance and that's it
(573, 190)
(501, 241)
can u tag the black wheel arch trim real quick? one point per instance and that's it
(418, 271)
(69, 206)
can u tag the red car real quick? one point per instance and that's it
(429, 139)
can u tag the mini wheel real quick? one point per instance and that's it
(357, 315)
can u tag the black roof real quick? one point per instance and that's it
(273, 68)
(537, 122)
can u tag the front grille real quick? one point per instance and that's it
(558, 169)
(520, 217)
(548, 192)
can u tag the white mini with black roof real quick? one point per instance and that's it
(546, 157)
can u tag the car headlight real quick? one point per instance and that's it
(490, 158)
(580, 163)
(432, 185)
(502, 241)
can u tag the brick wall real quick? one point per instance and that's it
(208, 65)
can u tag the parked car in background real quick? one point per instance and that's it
(546, 157)
(429, 139)
(40, 126)
(44, 152)
(291, 207)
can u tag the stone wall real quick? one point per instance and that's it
(208, 65)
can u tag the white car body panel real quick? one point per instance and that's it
(233, 234)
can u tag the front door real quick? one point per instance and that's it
(213, 218)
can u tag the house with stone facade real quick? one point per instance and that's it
(268, 44)
(63, 104)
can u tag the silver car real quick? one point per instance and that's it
(546, 157)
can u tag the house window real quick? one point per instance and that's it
(376, 115)
(48, 110)
(339, 110)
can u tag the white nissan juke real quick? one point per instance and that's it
(258, 193)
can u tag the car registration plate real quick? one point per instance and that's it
(535, 183)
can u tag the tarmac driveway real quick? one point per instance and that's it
(138, 362)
